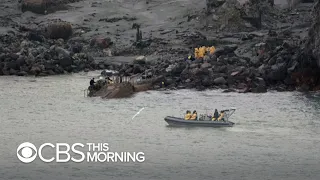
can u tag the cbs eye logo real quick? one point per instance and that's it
(26, 152)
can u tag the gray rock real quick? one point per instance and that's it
(280, 60)
(259, 89)
(192, 66)
(36, 6)
(22, 73)
(35, 69)
(101, 66)
(261, 69)
(206, 58)
(207, 82)
(225, 50)
(137, 69)
(278, 72)
(260, 81)
(215, 17)
(255, 60)
(293, 67)
(30, 59)
(220, 81)
(248, 25)
(206, 66)
(13, 72)
(63, 53)
(195, 71)
(59, 30)
(140, 60)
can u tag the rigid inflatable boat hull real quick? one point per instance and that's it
(174, 121)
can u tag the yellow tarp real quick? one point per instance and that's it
(202, 51)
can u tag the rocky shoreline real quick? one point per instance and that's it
(286, 62)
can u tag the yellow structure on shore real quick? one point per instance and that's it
(202, 51)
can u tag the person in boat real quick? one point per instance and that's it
(108, 80)
(188, 115)
(215, 115)
(221, 117)
(194, 115)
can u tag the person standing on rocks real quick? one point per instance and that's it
(191, 58)
(92, 82)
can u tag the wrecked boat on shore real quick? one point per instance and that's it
(120, 86)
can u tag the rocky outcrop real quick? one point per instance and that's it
(313, 41)
(34, 54)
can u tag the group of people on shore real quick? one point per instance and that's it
(200, 52)
(194, 116)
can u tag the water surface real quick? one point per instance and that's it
(276, 136)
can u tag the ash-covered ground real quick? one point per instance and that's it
(259, 45)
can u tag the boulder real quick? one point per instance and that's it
(220, 81)
(137, 68)
(13, 72)
(259, 89)
(194, 71)
(294, 64)
(36, 6)
(102, 43)
(65, 59)
(225, 50)
(206, 66)
(22, 73)
(35, 70)
(207, 82)
(34, 36)
(192, 66)
(59, 30)
(206, 58)
(278, 72)
(185, 73)
(140, 60)
(62, 53)
(76, 48)
(214, 3)
(177, 69)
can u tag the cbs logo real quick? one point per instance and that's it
(26, 149)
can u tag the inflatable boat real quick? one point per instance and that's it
(202, 121)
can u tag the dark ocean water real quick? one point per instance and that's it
(276, 135)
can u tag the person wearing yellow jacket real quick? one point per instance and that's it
(202, 51)
(194, 115)
(196, 53)
(221, 116)
(212, 49)
(207, 49)
(215, 115)
(187, 116)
